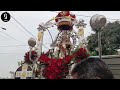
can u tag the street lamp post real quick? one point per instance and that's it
(97, 22)
(99, 44)
(32, 43)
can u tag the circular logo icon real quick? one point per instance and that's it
(5, 17)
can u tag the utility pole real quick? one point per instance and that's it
(99, 44)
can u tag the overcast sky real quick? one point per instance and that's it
(10, 55)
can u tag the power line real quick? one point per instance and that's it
(91, 16)
(11, 37)
(28, 31)
(21, 46)
(11, 53)
(23, 26)
(13, 45)
(3, 36)
(21, 30)
(18, 28)
(88, 16)
(83, 15)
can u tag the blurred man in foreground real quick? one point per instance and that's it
(91, 68)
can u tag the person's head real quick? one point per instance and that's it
(91, 68)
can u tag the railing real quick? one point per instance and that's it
(113, 62)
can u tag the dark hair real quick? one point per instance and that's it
(91, 68)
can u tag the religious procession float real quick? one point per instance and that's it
(67, 49)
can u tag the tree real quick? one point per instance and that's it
(110, 39)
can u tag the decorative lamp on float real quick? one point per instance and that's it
(97, 22)
(32, 42)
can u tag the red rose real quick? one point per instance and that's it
(59, 63)
(78, 61)
(54, 61)
(33, 56)
(52, 77)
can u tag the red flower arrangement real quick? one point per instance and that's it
(55, 69)
(59, 68)
(33, 56)
(81, 54)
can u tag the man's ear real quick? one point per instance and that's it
(98, 78)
